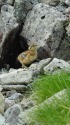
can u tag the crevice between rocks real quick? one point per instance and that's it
(13, 45)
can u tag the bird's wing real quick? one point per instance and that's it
(24, 54)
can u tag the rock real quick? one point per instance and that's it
(66, 2)
(23, 7)
(2, 119)
(27, 103)
(2, 103)
(68, 30)
(67, 10)
(44, 25)
(20, 76)
(55, 65)
(9, 30)
(38, 67)
(1, 88)
(50, 2)
(17, 97)
(2, 2)
(11, 114)
(10, 93)
(19, 88)
(9, 103)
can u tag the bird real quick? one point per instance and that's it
(28, 56)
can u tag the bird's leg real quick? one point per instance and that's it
(23, 66)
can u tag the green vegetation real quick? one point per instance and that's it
(56, 111)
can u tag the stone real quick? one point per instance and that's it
(66, 2)
(50, 2)
(2, 2)
(44, 25)
(11, 114)
(19, 88)
(16, 97)
(68, 30)
(20, 76)
(27, 103)
(10, 93)
(9, 103)
(55, 65)
(8, 30)
(23, 7)
(2, 103)
(38, 67)
(2, 119)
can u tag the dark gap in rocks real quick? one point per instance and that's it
(13, 45)
(43, 17)
(43, 54)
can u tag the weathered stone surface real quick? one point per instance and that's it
(20, 76)
(11, 115)
(23, 7)
(44, 26)
(27, 103)
(15, 87)
(2, 103)
(9, 103)
(17, 97)
(68, 30)
(38, 67)
(66, 2)
(2, 2)
(50, 2)
(2, 119)
(55, 65)
(9, 28)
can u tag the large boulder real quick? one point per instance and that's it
(56, 65)
(20, 76)
(9, 37)
(23, 7)
(8, 26)
(44, 25)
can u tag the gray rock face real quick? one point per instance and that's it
(66, 1)
(8, 25)
(44, 26)
(2, 119)
(11, 114)
(55, 65)
(68, 30)
(3, 2)
(2, 103)
(50, 2)
(23, 7)
(20, 76)
(38, 67)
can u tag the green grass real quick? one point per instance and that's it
(58, 111)
(47, 86)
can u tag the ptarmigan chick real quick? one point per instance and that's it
(29, 56)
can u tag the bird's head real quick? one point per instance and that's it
(33, 47)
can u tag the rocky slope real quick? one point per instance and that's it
(22, 22)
